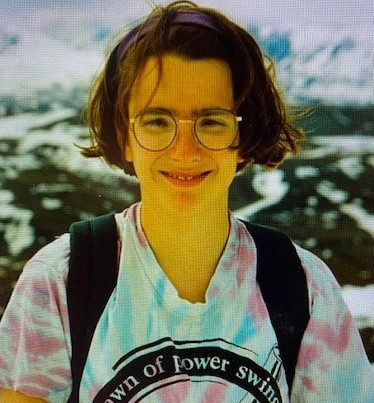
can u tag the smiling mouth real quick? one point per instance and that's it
(186, 178)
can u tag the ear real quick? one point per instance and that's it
(124, 143)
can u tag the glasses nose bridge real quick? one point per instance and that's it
(186, 143)
(178, 123)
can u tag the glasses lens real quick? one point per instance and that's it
(216, 129)
(154, 130)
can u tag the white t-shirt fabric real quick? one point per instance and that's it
(150, 345)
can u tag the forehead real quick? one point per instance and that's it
(182, 85)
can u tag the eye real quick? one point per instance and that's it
(210, 121)
(214, 124)
(155, 122)
(159, 122)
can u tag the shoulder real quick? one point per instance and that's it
(52, 260)
(325, 293)
(332, 363)
(316, 270)
(42, 282)
(319, 277)
(34, 331)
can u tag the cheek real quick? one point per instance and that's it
(143, 161)
(231, 160)
(227, 166)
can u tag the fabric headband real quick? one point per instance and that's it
(180, 17)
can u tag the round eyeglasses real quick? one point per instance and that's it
(215, 129)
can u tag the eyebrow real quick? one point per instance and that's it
(195, 112)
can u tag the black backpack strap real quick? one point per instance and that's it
(91, 280)
(283, 285)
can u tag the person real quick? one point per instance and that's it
(186, 100)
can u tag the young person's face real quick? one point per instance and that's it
(185, 87)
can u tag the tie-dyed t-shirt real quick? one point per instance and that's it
(152, 346)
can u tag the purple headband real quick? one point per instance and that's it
(180, 17)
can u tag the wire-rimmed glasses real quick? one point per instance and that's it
(215, 129)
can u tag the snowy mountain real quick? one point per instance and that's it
(54, 63)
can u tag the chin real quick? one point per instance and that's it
(185, 203)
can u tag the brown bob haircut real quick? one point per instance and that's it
(266, 133)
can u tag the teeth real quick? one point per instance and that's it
(184, 178)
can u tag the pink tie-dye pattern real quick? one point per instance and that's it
(316, 286)
(235, 250)
(227, 265)
(233, 292)
(119, 247)
(256, 307)
(336, 340)
(61, 372)
(37, 343)
(214, 292)
(12, 326)
(94, 390)
(43, 292)
(3, 364)
(245, 255)
(245, 260)
(229, 255)
(131, 213)
(142, 238)
(214, 394)
(44, 381)
(309, 384)
(175, 393)
(309, 353)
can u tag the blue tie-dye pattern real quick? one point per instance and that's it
(247, 329)
(149, 324)
(176, 318)
(124, 309)
(160, 288)
(88, 376)
(347, 391)
(211, 325)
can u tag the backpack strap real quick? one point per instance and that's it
(283, 285)
(93, 275)
(91, 280)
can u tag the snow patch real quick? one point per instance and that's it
(271, 187)
(360, 301)
(364, 220)
(328, 190)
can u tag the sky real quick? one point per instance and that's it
(355, 14)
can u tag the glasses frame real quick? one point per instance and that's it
(178, 121)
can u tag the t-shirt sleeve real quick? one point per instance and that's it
(35, 346)
(332, 365)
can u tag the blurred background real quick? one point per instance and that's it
(323, 199)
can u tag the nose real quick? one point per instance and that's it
(185, 147)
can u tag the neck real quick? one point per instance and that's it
(192, 227)
(187, 246)
(174, 236)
